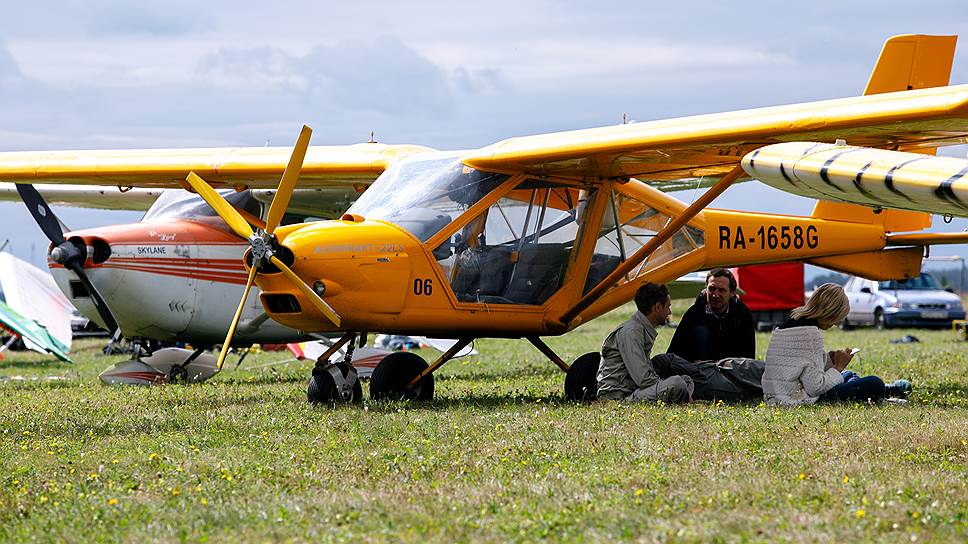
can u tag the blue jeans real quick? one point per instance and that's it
(855, 388)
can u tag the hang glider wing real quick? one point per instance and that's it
(704, 146)
(34, 308)
(33, 334)
(253, 167)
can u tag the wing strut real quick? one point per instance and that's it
(660, 238)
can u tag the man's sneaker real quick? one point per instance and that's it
(898, 389)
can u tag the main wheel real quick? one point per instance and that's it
(581, 381)
(322, 389)
(394, 372)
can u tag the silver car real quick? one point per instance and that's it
(917, 302)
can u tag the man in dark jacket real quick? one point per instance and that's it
(718, 325)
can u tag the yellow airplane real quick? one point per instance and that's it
(534, 236)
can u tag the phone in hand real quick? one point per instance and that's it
(854, 351)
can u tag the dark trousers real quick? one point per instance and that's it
(855, 389)
(700, 342)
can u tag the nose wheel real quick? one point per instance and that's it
(335, 384)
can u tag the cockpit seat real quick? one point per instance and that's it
(538, 274)
(601, 266)
(483, 272)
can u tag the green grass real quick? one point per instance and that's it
(498, 456)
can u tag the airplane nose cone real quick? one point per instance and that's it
(78, 249)
(71, 250)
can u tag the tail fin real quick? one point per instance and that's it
(912, 61)
(909, 61)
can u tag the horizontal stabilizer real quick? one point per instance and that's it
(877, 178)
(890, 264)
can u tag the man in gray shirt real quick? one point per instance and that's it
(626, 371)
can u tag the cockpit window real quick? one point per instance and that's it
(424, 194)
(175, 204)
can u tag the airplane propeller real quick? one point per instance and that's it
(263, 244)
(65, 252)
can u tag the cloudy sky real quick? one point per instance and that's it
(109, 74)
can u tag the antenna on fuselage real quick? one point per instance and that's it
(372, 139)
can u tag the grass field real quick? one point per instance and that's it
(498, 456)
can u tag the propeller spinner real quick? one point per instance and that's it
(264, 246)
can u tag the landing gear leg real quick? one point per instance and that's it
(113, 343)
(548, 352)
(242, 358)
(581, 378)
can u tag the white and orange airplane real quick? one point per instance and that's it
(168, 275)
(534, 236)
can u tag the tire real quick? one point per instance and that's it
(322, 389)
(178, 374)
(846, 325)
(394, 372)
(581, 381)
(879, 322)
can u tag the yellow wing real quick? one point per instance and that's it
(711, 145)
(254, 167)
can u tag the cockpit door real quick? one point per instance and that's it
(518, 249)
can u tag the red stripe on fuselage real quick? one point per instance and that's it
(226, 277)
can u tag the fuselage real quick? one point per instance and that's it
(174, 277)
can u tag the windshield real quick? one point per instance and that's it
(424, 194)
(924, 282)
(177, 204)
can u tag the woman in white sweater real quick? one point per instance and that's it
(799, 370)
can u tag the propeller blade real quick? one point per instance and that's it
(288, 182)
(235, 320)
(41, 213)
(99, 304)
(224, 210)
(319, 303)
(54, 231)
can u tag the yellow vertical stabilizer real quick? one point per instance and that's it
(906, 62)
(912, 61)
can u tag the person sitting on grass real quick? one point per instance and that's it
(626, 370)
(718, 325)
(799, 371)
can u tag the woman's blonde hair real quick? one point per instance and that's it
(828, 305)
